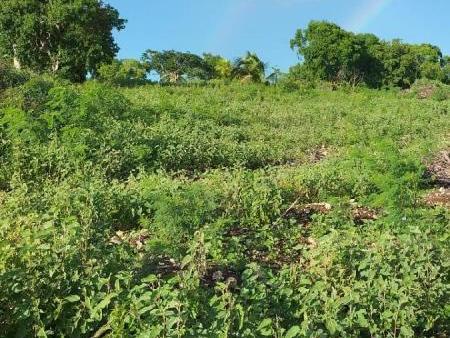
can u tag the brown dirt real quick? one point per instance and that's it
(167, 266)
(426, 92)
(273, 260)
(216, 274)
(303, 213)
(438, 198)
(309, 242)
(439, 169)
(164, 267)
(234, 232)
(319, 154)
(362, 214)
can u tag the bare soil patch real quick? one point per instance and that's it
(319, 154)
(303, 213)
(426, 92)
(439, 169)
(361, 215)
(438, 198)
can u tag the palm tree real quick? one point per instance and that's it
(249, 67)
(274, 77)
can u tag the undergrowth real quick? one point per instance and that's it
(183, 212)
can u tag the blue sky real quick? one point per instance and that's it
(231, 27)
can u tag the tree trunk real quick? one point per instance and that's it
(16, 61)
(55, 66)
(174, 77)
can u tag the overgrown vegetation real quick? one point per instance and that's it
(219, 211)
(224, 202)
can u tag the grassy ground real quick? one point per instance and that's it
(221, 211)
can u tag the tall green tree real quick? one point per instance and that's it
(405, 63)
(401, 65)
(175, 67)
(369, 62)
(328, 51)
(249, 67)
(67, 37)
(222, 67)
(431, 61)
(446, 69)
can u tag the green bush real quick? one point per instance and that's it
(11, 77)
(123, 73)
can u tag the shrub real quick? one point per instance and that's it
(11, 77)
(123, 73)
(192, 211)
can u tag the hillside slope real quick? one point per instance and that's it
(239, 210)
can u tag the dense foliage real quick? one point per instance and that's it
(250, 67)
(216, 208)
(327, 52)
(222, 68)
(333, 54)
(10, 76)
(70, 38)
(126, 72)
(175, 67)
(183, 212)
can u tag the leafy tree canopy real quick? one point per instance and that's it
(330, 53)
(446, 69)
(333, 54)
(175, 67)
(126, 72)
(222, 67)
(68, 37)
(249, 68)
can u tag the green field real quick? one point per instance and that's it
(221, 211)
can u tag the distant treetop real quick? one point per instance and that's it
(330, 53)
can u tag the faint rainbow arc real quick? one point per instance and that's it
(367, 13)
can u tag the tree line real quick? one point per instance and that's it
(74, 40)
(174, 67)
(330, 53)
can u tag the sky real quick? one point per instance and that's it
(232, 27)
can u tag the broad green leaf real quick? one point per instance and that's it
(72, 298)
(293, 332)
